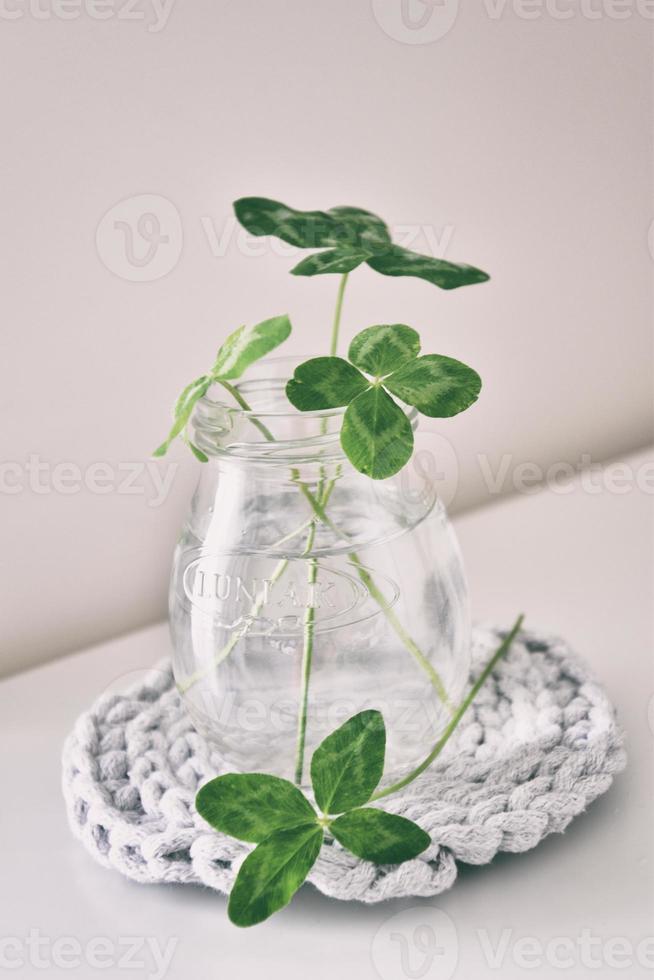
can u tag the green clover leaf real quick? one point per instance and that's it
(375, 835)
(339, 260)
(304, 229)
(352, 236)
(437, 386)
(249, 344)
(398, 261)
(345, 770)
(382, 349)
(357, 227)
(344, 227)
(325, 382)
(347, 766)
(272, 873)
(244, 346)
(376, 434)
(253, 805)
(183, 410)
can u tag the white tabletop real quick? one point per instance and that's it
(578, 563)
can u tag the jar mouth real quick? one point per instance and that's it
(268, 427)
(263, 386)
(266, 386)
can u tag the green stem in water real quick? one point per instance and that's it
(501, 651)
(380, 599)
(336, 326)
(405, 637)
(312, 576)
(307, 659)
(238, 397)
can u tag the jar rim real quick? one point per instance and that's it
(219, 432)
(250, 383)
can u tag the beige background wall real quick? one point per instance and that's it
(519, 141)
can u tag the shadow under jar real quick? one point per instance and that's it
(303, 592)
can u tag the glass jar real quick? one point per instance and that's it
(303, 592)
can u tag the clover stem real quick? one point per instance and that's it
(336, 326)
(318, 503)
(307, 659)
(238, 397)
(400, 631)
(379, 598)
(312, 571)
(501, 651)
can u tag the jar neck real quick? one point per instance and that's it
(252, 422)
(226, 431)
(273, 471)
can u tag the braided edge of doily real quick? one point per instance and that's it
(472, 809)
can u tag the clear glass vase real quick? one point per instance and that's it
(303, 592)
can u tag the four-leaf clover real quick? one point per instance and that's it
(289, 833)
(377, 435)
(349, 236)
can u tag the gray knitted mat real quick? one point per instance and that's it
(539, 744)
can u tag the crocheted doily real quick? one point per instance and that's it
(537, 746)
